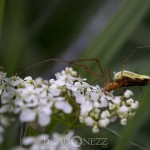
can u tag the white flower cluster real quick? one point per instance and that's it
(96, 109)
(36, 100)
(55, 142)
(4, 120)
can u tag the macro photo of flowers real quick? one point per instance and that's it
(74, 75)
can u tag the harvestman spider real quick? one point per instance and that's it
(121, 79)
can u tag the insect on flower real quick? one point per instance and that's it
(126, 78)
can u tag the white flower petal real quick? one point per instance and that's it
(89, 121)
(28, 140)
(105, 114)
(123, 121)
(54, 90)
(86, 107)
(59, 105)
(79, 98)
(27, 115)
(117, 100)
(43, 119)
(104, 102)
(128, 93)
(46, 110)
(67, 108)
(123, 109)
(104, 122)
(94, 96)
(95, 129)
(135, 105)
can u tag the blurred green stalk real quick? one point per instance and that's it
(109, 42)
(2, 9)
(15, 35)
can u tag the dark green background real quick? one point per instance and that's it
(35, 30)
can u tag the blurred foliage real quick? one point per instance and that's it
(35, 30)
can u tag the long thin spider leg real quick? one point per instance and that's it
(63, 61)
(107, 76)
(110, 77)
(99, 65)
(87, 69)
(39, 63)
(130, 54)
(92, 59)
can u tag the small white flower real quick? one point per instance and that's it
(89, 121)
(64, 106)
(54, 90)
(38, 81)
(111, 106)
(123, 121)
(105, 114)
(135, 105)
(117, 100)
(71, 87)
(27, 115)
(51, 81)
(60, 82)
(28, 79)
(95, 129)
(94, 96)
(123, 109)
(104, 122)
(97, 110)
(97, 104)
(130, 101)
(79, 97)
(43, 119)
(7, 95)
(86, 107)
(103, 102)
(128, 93)
(28, 140)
